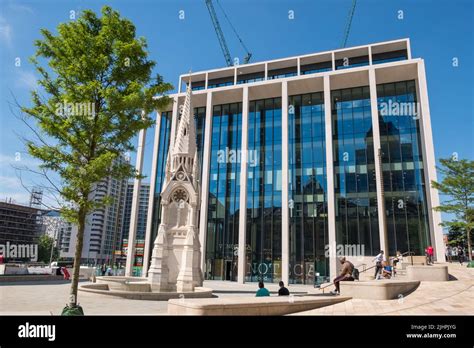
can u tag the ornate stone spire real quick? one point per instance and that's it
(184, 148)
(175, 264)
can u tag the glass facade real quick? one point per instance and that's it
(352, 62)
(307, 188)
(250, 80)
(200, 122)
(315, 71)
(354, 170)
(387, 57)
(355, 191)
(314, 68)
(163, 147)
(224, 193)
(263, 230)
(402, 167)
(280, 76)
(220, 84)
(388, 60)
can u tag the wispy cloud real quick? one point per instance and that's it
(20, 8)
(16, 180)
(26, 79)
(15, 197)
(18, 160)
(10, 187)
(5, 32)
(6, 28)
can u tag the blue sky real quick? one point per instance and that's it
(439, 31)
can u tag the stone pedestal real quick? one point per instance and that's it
(158, 272)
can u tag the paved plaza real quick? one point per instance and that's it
(454, 297)
(441, 298)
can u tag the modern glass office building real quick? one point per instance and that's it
(305, 157)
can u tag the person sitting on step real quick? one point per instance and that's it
(346, 274)
(387, 270)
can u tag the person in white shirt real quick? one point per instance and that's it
(379, 259)
(397, 259)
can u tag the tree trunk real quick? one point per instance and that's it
(469, 246)
(77, 258)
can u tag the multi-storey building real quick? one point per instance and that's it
(308, 158)
(142, 210)
(102, 235)
(54, 226)
(143, 198)
(19, 224)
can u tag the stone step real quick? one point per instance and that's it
(276, 305)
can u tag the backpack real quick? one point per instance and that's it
(355, 273)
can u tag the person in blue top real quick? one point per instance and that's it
(387, 270)
(262, 291)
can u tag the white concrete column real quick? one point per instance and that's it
(408, 49)
(333, 60)
(298, 62)
(331, 199)
(285, 209)
(382, 217)
(132, 233)
(243, 187)
(205, 180)
(266, 72)
(206, 83)
(429, 164)
(151, 198)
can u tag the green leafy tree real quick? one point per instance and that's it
(456, 234)
(458, 187)
(45, 246)
(97, 82)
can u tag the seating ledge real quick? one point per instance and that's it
(386, 289)
(251, 306)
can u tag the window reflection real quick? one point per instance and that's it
(307, 188)
(263, 249)
(354, 168)
(402, 165)
(224, 193)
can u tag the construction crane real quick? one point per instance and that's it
(349, 23)
(220, 34)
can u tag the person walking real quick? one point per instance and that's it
(65, 273)
(448, 254)
(430, 253)
(283, 291)
(460, 255)
(262, 291)
(379, 259)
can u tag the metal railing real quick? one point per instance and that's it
(410, 254)
(358, 266)
(364, 268)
